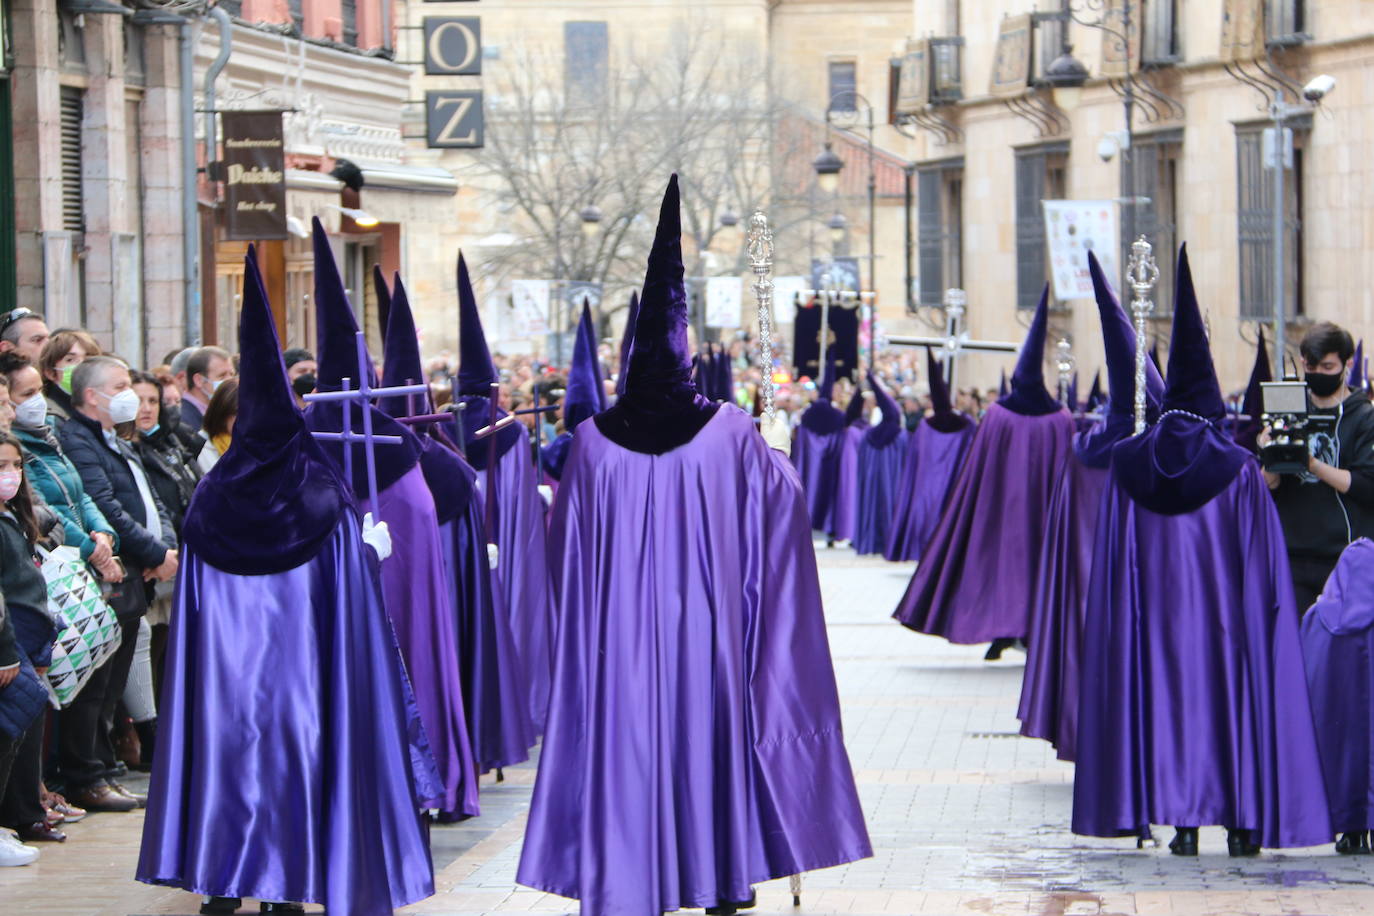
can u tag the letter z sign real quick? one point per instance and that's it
(453, 118)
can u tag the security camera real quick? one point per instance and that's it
(1106, 149)
(1319, 88)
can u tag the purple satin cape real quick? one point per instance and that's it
(522, 573)
(289, 755)
(497, 705)
(977, 575)
(1338, 648)
(1193, 704)
(933, 460)
(419, 604)
(878, 478)
(847, 483)
(1049, 690)
(694, 745)
(817, 457)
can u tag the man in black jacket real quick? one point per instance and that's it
(1331, 503)
(115, 479)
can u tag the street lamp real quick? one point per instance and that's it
(591, 219)
(837, 225)
(828, 165)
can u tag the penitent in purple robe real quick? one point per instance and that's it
(1338, 649)
(932, 464)
(418, 601)
(816, 453)
(976, 577)
(845, 516)
(694, 745)
(879, 476)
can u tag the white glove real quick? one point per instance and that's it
(377, 536)
(546, 491)
(493, 552)
(776, 434)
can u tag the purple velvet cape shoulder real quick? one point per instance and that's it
(1049, 690)
(475, 415)
(393, 461)
(309, 791)
(934, 456)
(1338, 649)
(977, 575)
(1193, 704)
(694, 702)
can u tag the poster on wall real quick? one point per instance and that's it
(724, 298)
(254, 175)
(1072, 229)
(529, 301)
(1012, 63)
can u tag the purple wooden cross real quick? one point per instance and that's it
(364, 395)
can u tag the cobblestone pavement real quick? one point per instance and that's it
(965, 816)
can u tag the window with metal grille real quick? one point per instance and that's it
(1151, 176)
(586, 52)
(1159, 41)
(843, 86)
(946, 71)
(1285, 23)
(73, 215)
(1049, 43)
(1255, 225)
(939, 229)
(1041, 174)
(349, 8)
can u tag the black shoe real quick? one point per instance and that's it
(267, 907)
(729, 909)
(1184, 842)
(997, 648)
(220, 906)
(1241, 843)
(1355, 843)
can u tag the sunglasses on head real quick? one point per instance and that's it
(14, 315)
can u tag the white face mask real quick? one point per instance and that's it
(123, 406)
(32, 412)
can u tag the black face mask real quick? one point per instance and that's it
(1325, 384)
(303, 384)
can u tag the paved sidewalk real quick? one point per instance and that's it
(966, 817)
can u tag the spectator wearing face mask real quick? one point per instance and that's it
(300, 371)
(206, 370)
(103, 399)
(66, 349)
(218, 429)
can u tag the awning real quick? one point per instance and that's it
(428, 179)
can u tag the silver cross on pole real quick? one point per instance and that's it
(1064, 364)
(1142, 273)
(956, 340)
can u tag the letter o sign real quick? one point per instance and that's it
(453, 46)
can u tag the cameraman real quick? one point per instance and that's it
(1331, 503)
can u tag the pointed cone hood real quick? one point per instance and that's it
(890, 426)
(1247, 431)
(1185, 460)
(336, 326)
(1191, 383)
(476, 371)
(1002, 388)
(726, 383)
(944, 418)
(401, 358)
(383, 295)
(825, 389)
(1095, 392)
(703, 374)
(273, 456)
(586, 396)
(626, 339)
(1154, 356)
(854, 410)
(1118, 342)
(1028, 395)
(1356, 380)
(1071, 393)
(660, 364)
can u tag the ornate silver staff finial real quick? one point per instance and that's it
(761, 263)
(1064, 362)
(1142, 273)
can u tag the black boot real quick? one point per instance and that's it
(1355, 843)
(1184, 842)
(997, 648)
(268, 906)
(220, 906)
(147, 742)
(729, 909)
(1241, 843)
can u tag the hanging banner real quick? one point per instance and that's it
(842, 341)
(837, 274)
(724, 300)
(787, 295)
(913, 80)
(529, 300)
(1072, 229)
(575, 292)
(254, 174)
(1242, 30)
(1120, 39)
(1012, 65)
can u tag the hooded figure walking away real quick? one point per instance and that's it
(495, 701)
(694, 745)
(882, 451)
(935, 454)
(518, 525)
(584, 399)
(291, 764)
(1193, 704)
(1049, 690)
(819, 452)
(976, 580)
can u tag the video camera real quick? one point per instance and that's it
(1290, 427)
